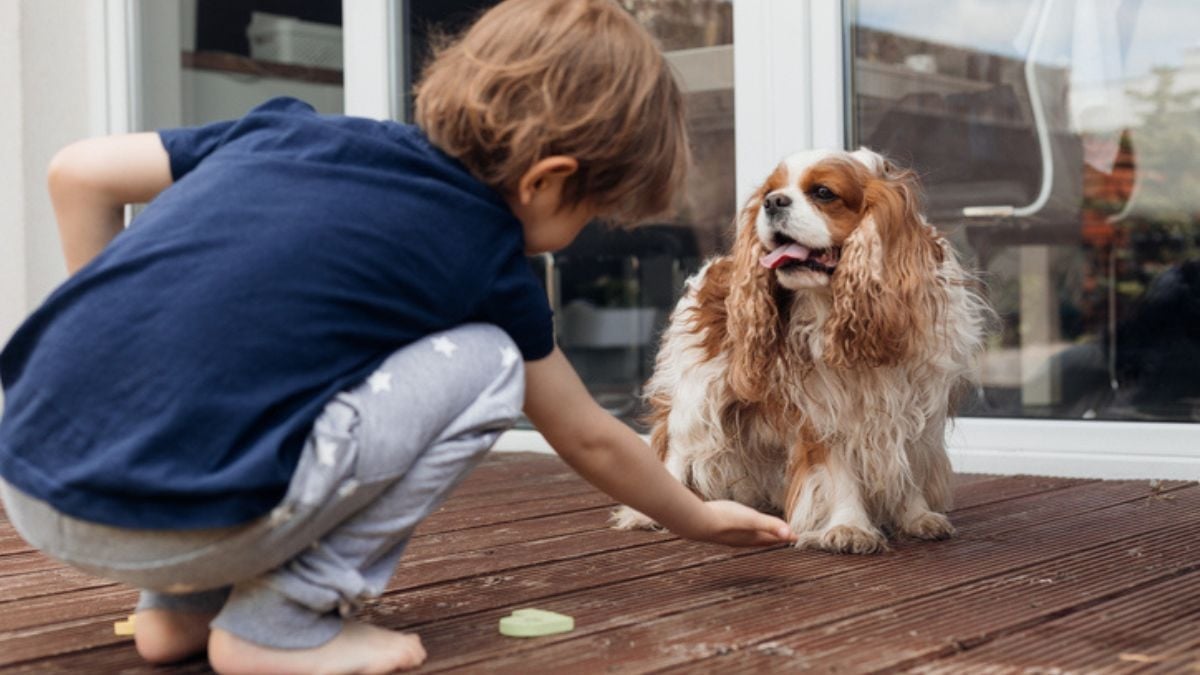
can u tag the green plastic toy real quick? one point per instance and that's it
(525, 623)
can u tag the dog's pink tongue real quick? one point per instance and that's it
(784, 254)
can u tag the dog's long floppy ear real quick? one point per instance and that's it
(885, 294)
(754, 330)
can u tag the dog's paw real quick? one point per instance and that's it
(844, 539)
(625, 518)
(929, 526)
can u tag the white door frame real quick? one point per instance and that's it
(788, 66)
(114, 53)
(790, 69)
(373, 64)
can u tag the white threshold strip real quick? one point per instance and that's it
(1075, 449)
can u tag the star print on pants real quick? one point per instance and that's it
(443, 345)
(380, 382)
(326, 452)
(508, 356)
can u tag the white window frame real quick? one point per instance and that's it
(373, 63)
(790, 68)
(112, 45)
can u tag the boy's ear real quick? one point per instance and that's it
(548, 172)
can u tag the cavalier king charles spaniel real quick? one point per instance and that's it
(812, 371)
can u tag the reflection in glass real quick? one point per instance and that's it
(1059, 143)
(209, 60)
(616, 288)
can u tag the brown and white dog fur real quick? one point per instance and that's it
(813, 370)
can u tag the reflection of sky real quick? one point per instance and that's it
(1155, 32)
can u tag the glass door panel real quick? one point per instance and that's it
(208, 60)
(1059, 143)
(616, 288)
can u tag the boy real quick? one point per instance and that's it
(244, 403)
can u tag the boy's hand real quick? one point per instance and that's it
(615, 459)
(733, 524)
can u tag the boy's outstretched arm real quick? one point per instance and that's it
(92, 180)
(615, 459)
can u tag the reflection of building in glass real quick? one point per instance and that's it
(697, 36)
(615, 288)
(685, 24)
(1078, 281)
(961, 118)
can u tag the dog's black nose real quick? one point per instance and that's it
(776, 202)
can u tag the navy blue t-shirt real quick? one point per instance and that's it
(172, 381)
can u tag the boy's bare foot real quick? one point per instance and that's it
(360, 648)
(164, 636)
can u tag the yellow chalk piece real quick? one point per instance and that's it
(125, 628)
(531, 622)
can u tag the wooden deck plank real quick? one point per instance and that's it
(73, 636)
(486, 516)
(510, 557)
(794, 595)
(1182, 657)
(962, 618)
(1155, 626)
(11, 543)
(51, 581)
(548, 577)
(29, 616)
(24, 562)
(559, 576)
(523, 529)
(559, 488)
(992, 489)
(442, 544)
(448, 540)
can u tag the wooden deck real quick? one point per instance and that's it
(1046, 575)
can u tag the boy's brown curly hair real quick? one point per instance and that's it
(536, 78)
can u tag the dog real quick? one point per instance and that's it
(812, 371)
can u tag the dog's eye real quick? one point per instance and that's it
(822, 193)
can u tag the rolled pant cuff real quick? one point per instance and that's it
(258, 613)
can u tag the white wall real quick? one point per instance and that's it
(44, 77)
(12, 194)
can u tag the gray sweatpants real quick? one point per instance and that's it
(380, 458)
